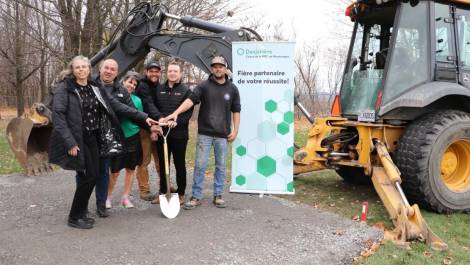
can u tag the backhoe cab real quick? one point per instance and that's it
(402, 118)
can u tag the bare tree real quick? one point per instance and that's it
(38, 37)
(17, 55)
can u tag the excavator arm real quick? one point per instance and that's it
(133, 40)
(142, 30)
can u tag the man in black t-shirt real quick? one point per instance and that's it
(220, 104)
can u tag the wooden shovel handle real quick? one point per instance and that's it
(167, 166)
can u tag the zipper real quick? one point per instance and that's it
(98, 96)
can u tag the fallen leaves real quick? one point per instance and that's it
(427, 254)
(370, 249)
(447, 260)
(380, 226)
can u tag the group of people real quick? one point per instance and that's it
(104, 125)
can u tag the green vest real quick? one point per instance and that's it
(129, 127)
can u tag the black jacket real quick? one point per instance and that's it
(67, 120)
(218, 102)
(120, 93)
(147, 92)
(168, 100)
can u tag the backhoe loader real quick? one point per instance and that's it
(401, 120)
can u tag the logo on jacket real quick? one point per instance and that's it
(227, 97)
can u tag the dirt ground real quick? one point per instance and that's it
(251, 230)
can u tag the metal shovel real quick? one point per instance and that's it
(169, 202)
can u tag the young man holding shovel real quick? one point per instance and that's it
(220, 103)
(169, 96)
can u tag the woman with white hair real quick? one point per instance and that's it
(85, 122)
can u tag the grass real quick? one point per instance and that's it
(8, 162)
(191, 153)
(326, 190)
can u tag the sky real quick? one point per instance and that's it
(320, 23)
(304, 21)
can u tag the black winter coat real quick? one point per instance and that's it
(67, 120)
(120, 93)
(147, 92)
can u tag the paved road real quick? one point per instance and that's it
(251, 230)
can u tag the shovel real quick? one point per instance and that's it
(169, 202)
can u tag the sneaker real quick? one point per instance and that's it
(181, 197)
(219, 202)
(108, 203)
(147, 196)
(126, 202)
(192, 203)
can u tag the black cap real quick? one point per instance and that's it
(153, 65)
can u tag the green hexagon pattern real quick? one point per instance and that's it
(270, 106)
(289, 117)
(290, 186)
(266, 131)
(283, 128)
(266, 166)
(240, 180)
(290, 151)
(241, 150)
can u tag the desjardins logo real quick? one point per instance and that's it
(241, 51)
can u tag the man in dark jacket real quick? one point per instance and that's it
(170, 96)
(146, 90)
(108, 80)
(220, 103)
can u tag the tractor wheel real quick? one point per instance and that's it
(433, 156)
(354, 175)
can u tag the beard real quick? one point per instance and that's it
(219, 76)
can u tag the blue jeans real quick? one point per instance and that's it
(102, 182)
(203, 149)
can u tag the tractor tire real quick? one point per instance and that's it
(354, 175)
(433, 156)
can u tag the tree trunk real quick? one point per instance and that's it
(18, 63)
(70, 16)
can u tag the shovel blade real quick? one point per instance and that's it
(170, 208)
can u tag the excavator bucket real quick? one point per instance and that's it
(28, 137)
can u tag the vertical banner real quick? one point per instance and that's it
(262, 154)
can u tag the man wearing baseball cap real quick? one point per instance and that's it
(146, 90)
(220, 105)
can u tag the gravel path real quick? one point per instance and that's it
(251, 230)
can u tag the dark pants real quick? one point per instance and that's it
(86, 180)
(102, 183)
(177, 149)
